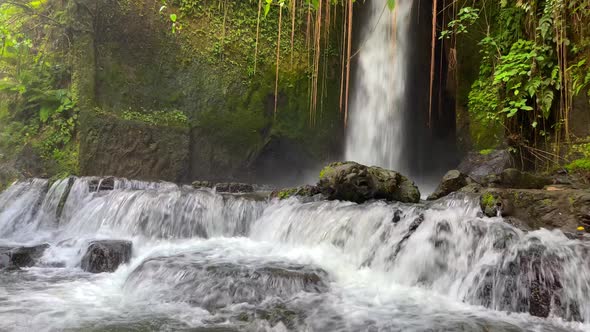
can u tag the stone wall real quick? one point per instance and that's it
(132, 149)
(141, 67)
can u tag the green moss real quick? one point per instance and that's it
(286, 193)
(488, 199)
(323, 172)
(328, 169)
(174, 118)
(486, 152)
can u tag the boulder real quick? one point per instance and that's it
(17, 257)
(478, 165)
(106, 255)
(350, 181)
(234, 188)
(513, 178)
(453, 181)
(562, 208)
(215, 283)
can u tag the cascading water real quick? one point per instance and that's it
(210, 262)
(394, 121)
(376, 130)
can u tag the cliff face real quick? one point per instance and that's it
(203, 75)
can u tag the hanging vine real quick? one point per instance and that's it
(534, 62)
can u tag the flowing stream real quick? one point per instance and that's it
(204, 261)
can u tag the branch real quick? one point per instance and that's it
(34, 13)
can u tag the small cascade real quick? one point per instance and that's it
(201, 258)
(164, 211)
(19, 207)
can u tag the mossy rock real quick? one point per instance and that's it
(530, 209)
(350, 181)
(490, 204)
(303, 191)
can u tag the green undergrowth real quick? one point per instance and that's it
(161, 118)
(579, 156)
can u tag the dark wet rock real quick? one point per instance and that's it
(103, 184)
(18, 257)
(215, 284)
(565, 209)
(280, 313)
(106, 255)
(526, 280)
(479, 165)
(234, 188)
(302, 191)
(350, 181)
(397, 216)
(453, 181)
(64, 197)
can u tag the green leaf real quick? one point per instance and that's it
(266, 8)
(173, 17)
(391, 4)
(35, 4)
(45, 113)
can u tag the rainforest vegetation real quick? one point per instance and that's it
(521, 72)
(533, 69)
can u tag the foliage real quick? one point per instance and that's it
(533, 63)
(579, 156)
(464, 19)
(579, 165)
(39, 109)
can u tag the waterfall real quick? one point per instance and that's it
(204, 259)
(376, 128)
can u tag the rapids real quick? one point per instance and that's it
(203, 261)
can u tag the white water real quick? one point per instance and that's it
(376, 132)
(203, 260)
